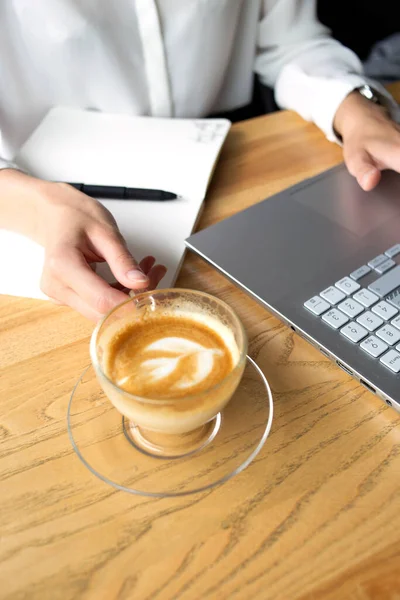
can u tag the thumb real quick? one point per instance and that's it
(124, 267)
(362, 166)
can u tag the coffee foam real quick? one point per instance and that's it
(175, 350)
(171, 355)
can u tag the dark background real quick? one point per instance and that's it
(359, 24)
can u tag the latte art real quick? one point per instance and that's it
(168, 357)
(199, 362)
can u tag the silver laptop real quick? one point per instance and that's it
(324, 257)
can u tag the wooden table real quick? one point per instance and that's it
(317, 515)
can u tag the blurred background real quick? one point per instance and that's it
(371, 28)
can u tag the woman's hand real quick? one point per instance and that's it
(77, 232)
(371, 140)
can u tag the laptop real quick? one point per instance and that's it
(324, 257)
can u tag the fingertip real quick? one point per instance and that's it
(156, 274)
(162, 272)
(370, 179)
(140, 287)
(137, 278)
(124, 266)
(147, 263)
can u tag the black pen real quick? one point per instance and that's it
(112, 192)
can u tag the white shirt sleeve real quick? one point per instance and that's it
(7, 164)
(310, 71)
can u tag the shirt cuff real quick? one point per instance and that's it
(7, 164)
(318, 98)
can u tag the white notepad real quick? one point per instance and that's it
(176, 155)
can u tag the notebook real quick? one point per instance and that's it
(176, 155)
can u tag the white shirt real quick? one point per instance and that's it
(173, 58)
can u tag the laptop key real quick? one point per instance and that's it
(332, 295)
(370, 321)
(374, 346)
(393, 251)
(316, 305)
(360, 272)
(387, 283)
(384, 310)
(394, 298)
(391, 360)
(335, 318)
(377, 261)
(389, 334)
(396, 322)
(354, 332)
(366, 298)
(347, 285)
(385, 266)
(350, 307)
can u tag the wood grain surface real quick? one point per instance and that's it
(316, 515)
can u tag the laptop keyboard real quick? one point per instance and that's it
(366, 316)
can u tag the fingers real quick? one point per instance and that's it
(363, 167)
(82, 234)
(147, 263)
(372, 146)
(154, 272)
(69, 279)
(67, 297)
(155, 276)
(68, 270)
(370, 179)
(74, 301)
(385, 149)
(122, 264)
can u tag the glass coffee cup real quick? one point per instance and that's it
(187, 381)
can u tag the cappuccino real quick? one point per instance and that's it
(185, 365)
(170, 356)
(169, 362)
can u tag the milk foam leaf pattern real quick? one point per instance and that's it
(175, 350)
